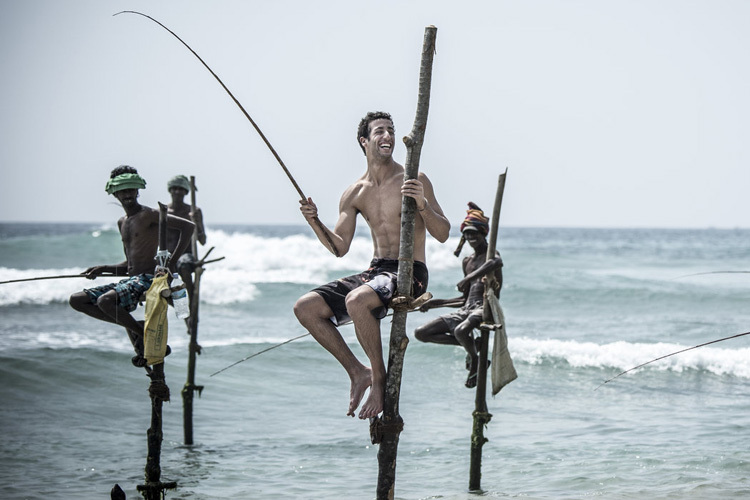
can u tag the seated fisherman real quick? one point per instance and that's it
(456, 328)
(139, 229)
(178, 187)
(377, 196)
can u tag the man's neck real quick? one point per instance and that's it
(481, 250)
(178, 204)
(380, 168)
(133, 209)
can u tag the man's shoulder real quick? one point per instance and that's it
(146, 215)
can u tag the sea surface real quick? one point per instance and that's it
(581, 305)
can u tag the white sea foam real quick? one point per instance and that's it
(625, 355)
(44, 291)
(249, 260)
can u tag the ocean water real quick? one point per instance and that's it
(581, 306)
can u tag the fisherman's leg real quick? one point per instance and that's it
(81, 302)
(109, 305)
(185, 268)
(463, 333)
(359, 305)
(436, 332)
(314, 314)
(187, 278)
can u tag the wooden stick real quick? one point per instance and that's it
(388, 429)
(252, 122)
(189, 389)
(158, 390)
(481, 415)
(82, 275)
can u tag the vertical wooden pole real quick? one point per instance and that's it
(188, 391)
(387, 430)
(481, 416)
(159, 392)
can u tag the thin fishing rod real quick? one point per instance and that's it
(247, 115)
(672, 354)
(258, 353)
(81, 275)
(282, 343)
(711, 272)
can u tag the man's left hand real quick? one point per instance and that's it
(413, 188)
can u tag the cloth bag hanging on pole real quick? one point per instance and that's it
(156, 329)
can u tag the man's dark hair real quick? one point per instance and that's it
(364, 125)
(122, 169)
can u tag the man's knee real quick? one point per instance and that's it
(309, 306)
(421, 333)
(362, 300)
(79, 300)
(463, 332)
(107, 301)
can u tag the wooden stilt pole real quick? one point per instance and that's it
(159, 392)
(188, 391)
(481, 416)
(387, 430)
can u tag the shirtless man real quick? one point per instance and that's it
(377, 196)
(179, 187)
(456, 328)
(139, 229)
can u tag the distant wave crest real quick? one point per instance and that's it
(625, 355)
(249, 260)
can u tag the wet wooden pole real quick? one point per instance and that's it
(159, 392)
(481, 416)
(387, 430)
(188, 391)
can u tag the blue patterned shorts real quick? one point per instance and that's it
(129, 290)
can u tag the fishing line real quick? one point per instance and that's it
(247, 115)
(711, 272)
(672, 354)
(82, 275)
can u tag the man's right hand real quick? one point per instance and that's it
(94, 271)
(308, 209)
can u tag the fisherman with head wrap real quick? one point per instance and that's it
(139, 229)
(457, 328)
(179, 186)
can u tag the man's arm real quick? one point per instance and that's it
(343, 232)
(433, 303)
(185, 229)
(435, 221)
(120, 269)
(486, 268)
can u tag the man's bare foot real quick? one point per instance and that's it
(360, 383)
(374, 404)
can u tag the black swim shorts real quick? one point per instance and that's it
(382, 277)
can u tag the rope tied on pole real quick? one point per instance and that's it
(379, 428)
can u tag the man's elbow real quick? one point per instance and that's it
(441, 234)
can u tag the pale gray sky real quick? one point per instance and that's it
(606, 113)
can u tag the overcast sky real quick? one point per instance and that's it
(606, 113)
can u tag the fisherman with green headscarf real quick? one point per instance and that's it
(139, 229)
(179, 186)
